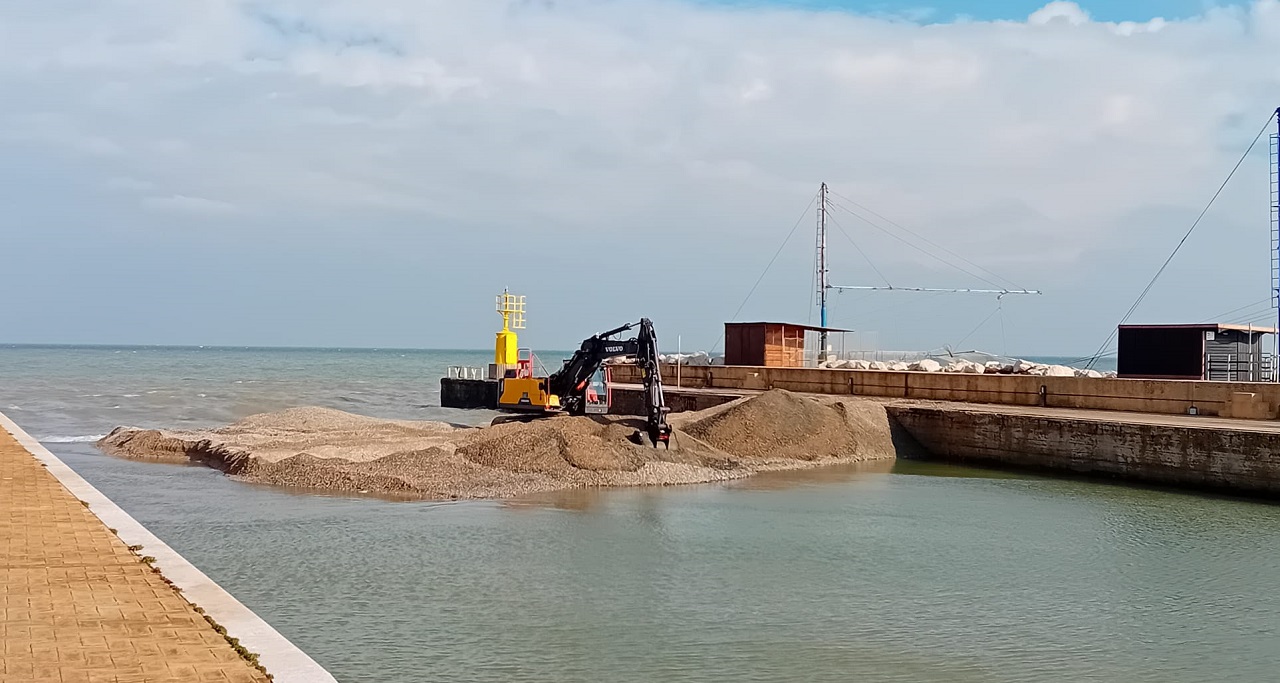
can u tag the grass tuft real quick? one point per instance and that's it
(245, 654)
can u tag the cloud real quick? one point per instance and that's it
(127, 184)
(1059, 10)
(188, 205)
(1038, 143)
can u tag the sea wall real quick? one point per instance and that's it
(1172, 397)
(1197, 453)
(1202, 457)
(628, 401)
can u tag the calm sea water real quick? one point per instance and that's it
(907, 572)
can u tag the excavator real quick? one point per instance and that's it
(578, 387)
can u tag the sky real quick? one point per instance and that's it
(323, 173)
(936, 11)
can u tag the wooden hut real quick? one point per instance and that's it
(775, 345)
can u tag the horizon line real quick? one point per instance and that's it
(260, 347)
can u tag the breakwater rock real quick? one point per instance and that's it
(960, 365)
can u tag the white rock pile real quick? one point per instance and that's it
(952, 365)
(698, 359)
(960, 365)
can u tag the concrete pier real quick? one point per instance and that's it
(1169, 397)
(1240, 456)
(628, 399)
(1230, 455)
(87, 594)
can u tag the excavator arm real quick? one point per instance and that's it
(570, 382)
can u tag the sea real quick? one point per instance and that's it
(907, 571)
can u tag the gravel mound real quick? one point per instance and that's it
(323, 449)
(555, 446)
(781, 425)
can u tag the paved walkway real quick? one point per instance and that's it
(76, 605)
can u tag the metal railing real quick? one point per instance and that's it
(1231, 367)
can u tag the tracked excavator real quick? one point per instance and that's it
(580, 388)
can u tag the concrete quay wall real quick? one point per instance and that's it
(1222, 458)
(630, 400)
(1196, 452)
(1170, 397)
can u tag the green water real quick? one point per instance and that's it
(906, 572)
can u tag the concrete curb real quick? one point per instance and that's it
(281, 658)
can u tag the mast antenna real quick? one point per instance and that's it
(823, 286)
(1275, 228)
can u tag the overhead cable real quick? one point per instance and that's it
(917, 247)
(926, 240)
(1182, 241)
(859, 249)
(770, 265)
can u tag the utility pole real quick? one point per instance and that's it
(822, 270)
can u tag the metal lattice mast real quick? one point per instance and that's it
(1274, 201)
(822, 269)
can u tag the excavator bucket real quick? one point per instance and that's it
(643, 438)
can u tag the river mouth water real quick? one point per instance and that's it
(920, 573)
(876, 572)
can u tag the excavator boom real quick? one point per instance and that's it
(570, 382)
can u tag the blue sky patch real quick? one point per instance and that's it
(948, 10)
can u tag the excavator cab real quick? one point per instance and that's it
(596, 398)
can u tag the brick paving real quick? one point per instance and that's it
(76, 605)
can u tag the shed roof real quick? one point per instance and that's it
(815, 328)
(1208, 327)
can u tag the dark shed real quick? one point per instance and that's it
(1209, 351)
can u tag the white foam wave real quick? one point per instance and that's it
(72, 439)
(130, 395)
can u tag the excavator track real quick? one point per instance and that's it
(523, 417)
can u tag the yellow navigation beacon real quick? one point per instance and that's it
(506, 347)
(513, 367)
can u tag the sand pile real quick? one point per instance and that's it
(780, 425)
(319, 448)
